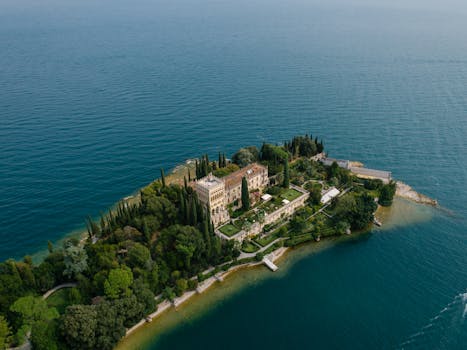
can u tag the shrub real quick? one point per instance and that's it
(192, 284)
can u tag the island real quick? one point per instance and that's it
(179, 235)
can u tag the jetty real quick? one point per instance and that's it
(273, 267)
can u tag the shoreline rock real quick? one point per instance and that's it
(405, 191)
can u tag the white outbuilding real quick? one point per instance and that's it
(329, 195)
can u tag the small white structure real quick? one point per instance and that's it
(270, 264)
(266, 197)
(329, 195)
(285, 201)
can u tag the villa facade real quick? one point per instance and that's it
(256, 176)
(217, 193)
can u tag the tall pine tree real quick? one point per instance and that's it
(286, 182)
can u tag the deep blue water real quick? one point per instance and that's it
(95, 97)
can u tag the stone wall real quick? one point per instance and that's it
(289, 208)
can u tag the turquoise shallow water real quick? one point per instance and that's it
(96, 97)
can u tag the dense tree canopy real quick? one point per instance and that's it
(386, 194)
(78, 327)
(246, 156)
(357, 210)
(304, 146)
(5, 333)
(118, 283)
(75, 259)
(30, 310)
(228, 169)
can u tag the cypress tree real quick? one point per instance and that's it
(203, 167)
(207, 236)
(111, 220)
(187, 210)
(189, 176)
(199, 209)
(162, 177)
(245, 195)
(220, 160)
(320, 146)
(102, 223)
(181, 199)
(88, 225)
(50, 247)
(185, 183)
(194, 213)
(208, 218)
(146, 231)
(286, 183)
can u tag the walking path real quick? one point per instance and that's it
(262, 249)
(60, 286)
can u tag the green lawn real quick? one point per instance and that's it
(59, 300)
(264, 241)
(291, 194)
(229, 230)
(248, 247)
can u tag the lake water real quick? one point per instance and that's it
(97, 96)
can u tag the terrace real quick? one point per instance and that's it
(252, 222)
(229, 230)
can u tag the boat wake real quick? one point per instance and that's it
(446, 330)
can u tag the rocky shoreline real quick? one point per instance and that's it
(405, 191)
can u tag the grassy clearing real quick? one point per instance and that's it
(290, 194)
(248, 247)
(264, 241)
(59, 300)
(229, 230)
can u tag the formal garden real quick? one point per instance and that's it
(243, 220)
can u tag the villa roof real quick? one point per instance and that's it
(249, 171)
(330, 194)
(209, 181)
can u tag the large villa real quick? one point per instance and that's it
(222, 194)
(217, 194)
